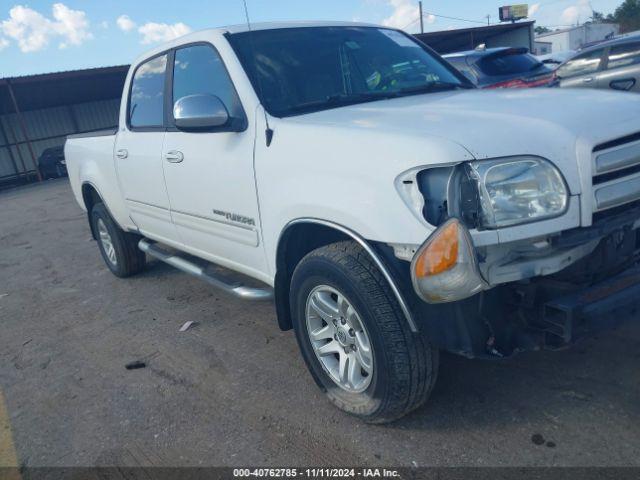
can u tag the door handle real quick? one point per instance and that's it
(174, 156)
(623, 84)
(122, 154)
(587, 80)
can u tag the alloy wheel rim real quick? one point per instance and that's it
(107, 243)
(339, 339)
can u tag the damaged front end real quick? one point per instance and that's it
(541, 290)
(597, 292)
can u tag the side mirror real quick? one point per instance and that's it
(200, 112)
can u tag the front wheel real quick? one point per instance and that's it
(355, 339)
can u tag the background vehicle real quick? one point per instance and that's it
(52, 163)
(554, 60)
(614, 64)
(502, 68)
(389, 208)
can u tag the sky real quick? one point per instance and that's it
(41, 36)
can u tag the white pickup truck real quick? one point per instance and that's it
(390, 209)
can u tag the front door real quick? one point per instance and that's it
(210, 175)
(138, 153)
(582, 70)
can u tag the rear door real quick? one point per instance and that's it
(210, 174)
(582, 70)
(622, 70)
(138, 152)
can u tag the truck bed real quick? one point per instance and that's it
(96, 133)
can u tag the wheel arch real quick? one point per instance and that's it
(304, 235)
(90, 197)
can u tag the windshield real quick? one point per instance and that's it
(301, 70)
(509, 63)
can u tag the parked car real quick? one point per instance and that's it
(614, 64)
(502, 68)
(52, 163)
(389, 208)
(554, 60)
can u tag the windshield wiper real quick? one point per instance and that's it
(432, 86)
(340, 100)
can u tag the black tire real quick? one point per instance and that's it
(129, 259)
(405, 363)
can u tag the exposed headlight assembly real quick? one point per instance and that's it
(517, 190)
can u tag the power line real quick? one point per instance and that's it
(453, 18)
(410, 23)
(429, 14)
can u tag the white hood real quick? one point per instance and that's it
(488, 124)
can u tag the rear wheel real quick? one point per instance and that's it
(119, 249)
(354, 337)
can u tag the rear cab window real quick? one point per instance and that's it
(146, 99)
(511, 62)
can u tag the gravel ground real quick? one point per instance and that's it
(234, 391)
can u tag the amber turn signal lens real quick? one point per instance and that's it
(441, 254)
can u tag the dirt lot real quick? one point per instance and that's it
(234, 391)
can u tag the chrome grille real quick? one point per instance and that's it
(616, 174)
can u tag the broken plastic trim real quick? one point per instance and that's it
(455, 274)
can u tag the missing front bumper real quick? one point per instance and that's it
(603, 306)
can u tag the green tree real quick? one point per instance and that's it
(540, 30)
(627, 16)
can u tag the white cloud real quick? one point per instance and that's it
(4, 43)
(562, 14)
(33, 31)
(533, 9)
(404, 13)
(161, 32)
(125, 23)
(104, 25)
(581, 11)
(71, 25)
(29, 28)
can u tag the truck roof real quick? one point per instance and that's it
(241, 28)
(278, 25)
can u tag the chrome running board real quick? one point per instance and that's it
(236, 288)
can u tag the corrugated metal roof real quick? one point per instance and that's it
(50, 75)
(35, 92)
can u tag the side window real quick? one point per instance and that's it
(581, 65)
(146, 105)
(199, 70)
(624, 55)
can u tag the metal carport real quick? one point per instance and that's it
(39, 111)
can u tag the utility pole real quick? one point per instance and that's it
(421, 18)
(488, 20)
